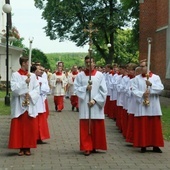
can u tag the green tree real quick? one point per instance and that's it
(126, 50)
(38, 56)
(19, 43)
(69, 59)
(66, 19)
(132, 6)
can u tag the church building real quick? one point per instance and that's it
(154, 23)
(14, 52)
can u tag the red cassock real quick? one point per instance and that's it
(96, 139)
(112, 112)
(74, 100)
(118, 117)
(124, 121)
(42, 125)
(47, 108)
(23, 132)
(107, 105)
(59, 102)
(148, 131)
(130, 128)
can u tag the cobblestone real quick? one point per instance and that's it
(61, 152)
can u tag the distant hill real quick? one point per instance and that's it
(69, 59)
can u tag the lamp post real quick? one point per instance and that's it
(109, 45)
(7, 9)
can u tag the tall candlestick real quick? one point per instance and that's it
(149, 54)
(30, 53)
(26, 102)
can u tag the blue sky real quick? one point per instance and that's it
(27, 19)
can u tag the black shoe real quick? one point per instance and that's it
(94, 151)
(77, 109)
(87, 153)
(21, 152)
(56, 108)
(143, 149)
(72, 108)
(39, 141)
(157, 150)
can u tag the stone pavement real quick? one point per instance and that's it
(61, 152)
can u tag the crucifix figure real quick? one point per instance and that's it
(90, 31)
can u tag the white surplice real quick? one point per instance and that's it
(44, 90)
(139, 87)
(19, 89)
(98, 93)
(58, 88)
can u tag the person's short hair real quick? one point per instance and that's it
(88, 57)
(60, 62)
(115, 65)
(23, 59)
(109, 66)
(37, 63)
(33, 68)
(123, 66)
(143, 60)
(132, 66)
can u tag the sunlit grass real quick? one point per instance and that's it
(166, 122)
(2, 94)
(4, 110)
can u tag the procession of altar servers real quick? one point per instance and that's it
(124, 104)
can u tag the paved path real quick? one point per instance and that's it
(62, 150)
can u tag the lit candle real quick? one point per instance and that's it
(149, 54)
(30, 53)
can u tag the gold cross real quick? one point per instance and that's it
(90, 31)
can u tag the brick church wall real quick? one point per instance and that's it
(153, 23)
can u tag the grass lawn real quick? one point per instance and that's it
(5, 110)
(166, 122)
(2, 93)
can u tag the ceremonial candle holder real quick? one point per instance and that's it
(146, 101)
(90, 82)
(26, 102)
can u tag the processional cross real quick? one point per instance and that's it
(90, 30)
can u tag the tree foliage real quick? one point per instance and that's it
(126, 50)
(38, 56)
(19, 43)
(66, 19)
(69, 59)
(132, 6)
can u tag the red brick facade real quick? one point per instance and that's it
(154, 18)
